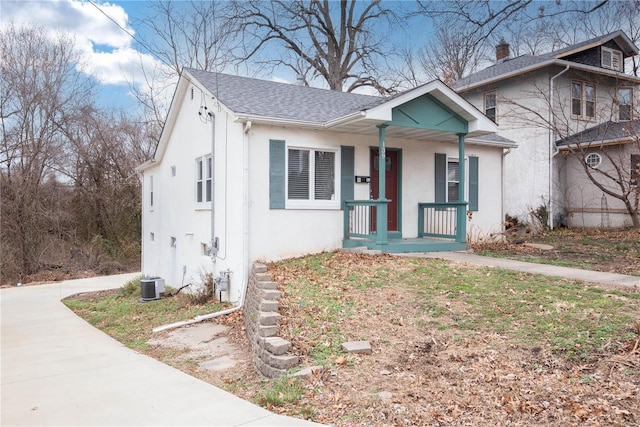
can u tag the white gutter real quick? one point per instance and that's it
(245, 245)
(552, 149)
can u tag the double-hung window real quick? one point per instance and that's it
(583, 99)
(453, 180)
(311, 176)
(204, 179)
(490, 105)
(635, 170)
(625, 103)
(611, 59)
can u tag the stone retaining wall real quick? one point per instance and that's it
(270, 353)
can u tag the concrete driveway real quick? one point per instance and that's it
(56, 369)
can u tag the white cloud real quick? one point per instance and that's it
(106, 49)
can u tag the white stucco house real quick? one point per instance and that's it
(545, 103)
(249, 170)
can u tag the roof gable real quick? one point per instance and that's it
(425, 112)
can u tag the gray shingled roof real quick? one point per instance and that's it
(508, 66)
(504, 67)
(608, 131)
(263, 98)
(599, 40)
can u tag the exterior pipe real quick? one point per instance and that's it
(552, 150)
(214, 248)
(245, 245)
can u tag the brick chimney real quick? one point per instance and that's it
(502, 50)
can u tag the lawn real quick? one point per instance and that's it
(452, 345)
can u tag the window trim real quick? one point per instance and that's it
(311, 203)
(630, 104)
(206, 164)
(594, 166)
(583, 99)
(634, 178)
(495, 107)
(615, 55)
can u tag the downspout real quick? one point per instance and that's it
(505, 153)
(213, 241)
(245, 243)
(552, 149)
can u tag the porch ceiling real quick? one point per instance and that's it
(368, 127)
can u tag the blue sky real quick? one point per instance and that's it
(111, 56)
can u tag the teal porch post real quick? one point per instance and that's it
(381, 218)
(461, 211)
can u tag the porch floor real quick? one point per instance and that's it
(416, 244)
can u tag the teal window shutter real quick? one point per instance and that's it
(347, 173)
(441, 177)
(277, 174)
(473, 183)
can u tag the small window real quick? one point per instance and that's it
(611, 59)
(173, 171)
(625, 102)
(593, 160)
(151, 191)
(205, 250)
(311, 175)
(453, 180)
(152, 237)
(204, 179)
(583, 99)
(490, 105)
(172, 242)
(635, 170)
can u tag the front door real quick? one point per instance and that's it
(391, 187)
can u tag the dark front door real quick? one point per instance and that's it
(391, 187)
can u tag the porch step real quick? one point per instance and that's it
(361, 250)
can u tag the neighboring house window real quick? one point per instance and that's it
(204, 179)
(583, 99)
(490, 105)
(172, 242)
(152, 237)
(625, 102)
(593, 160)
(611, 59)
(635, 170)
(151, 191)
(311, 174)
(173, 171)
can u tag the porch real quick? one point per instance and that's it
(441, 227)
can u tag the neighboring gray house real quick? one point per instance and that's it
(543, 102)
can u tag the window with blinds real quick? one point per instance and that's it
(311, 174)
(453, 180)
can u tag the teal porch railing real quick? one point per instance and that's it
(442, 220)
(357, 218)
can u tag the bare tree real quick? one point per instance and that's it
(40, 85)
(451, 55)
(179, 34)
(341, 43)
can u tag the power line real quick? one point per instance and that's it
(147, 48)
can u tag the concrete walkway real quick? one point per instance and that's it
(529, 267)
(59, 370)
